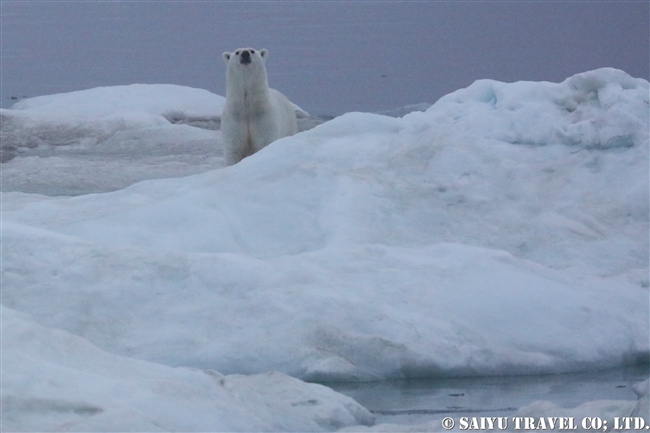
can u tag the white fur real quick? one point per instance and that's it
(254, 115)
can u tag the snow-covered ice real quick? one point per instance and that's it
(95, 116)
(502, 231)
(55, 381)
(107, 138)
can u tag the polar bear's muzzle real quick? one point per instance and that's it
(245, 57)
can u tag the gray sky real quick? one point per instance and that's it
(328, 57)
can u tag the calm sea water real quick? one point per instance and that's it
(420, 401)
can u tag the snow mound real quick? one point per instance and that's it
(95, 116)
(366, 312)
(108, 138)
(600, 109)
(495, 233)
(54, 381)
(174, 103)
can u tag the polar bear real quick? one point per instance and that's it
(254, 114)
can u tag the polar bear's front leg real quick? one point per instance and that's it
(236, 142)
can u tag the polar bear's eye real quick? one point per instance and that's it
(237, 52)
(252, 51)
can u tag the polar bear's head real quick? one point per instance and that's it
(245, 71)
(246, 57)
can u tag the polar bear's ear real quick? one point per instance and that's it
(264, 53)
(226, 56)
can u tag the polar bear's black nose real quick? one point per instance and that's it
(245, 57)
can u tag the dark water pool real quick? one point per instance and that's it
(419, 401)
